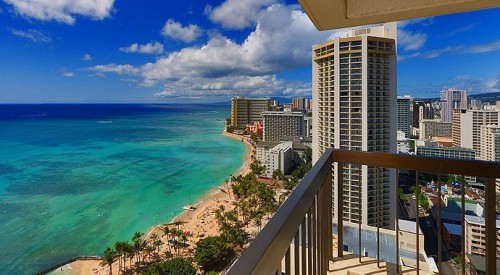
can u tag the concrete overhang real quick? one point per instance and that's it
(336, 14)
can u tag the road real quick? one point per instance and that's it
(409, 212)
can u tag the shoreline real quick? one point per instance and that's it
(200, 222)
(215, 194)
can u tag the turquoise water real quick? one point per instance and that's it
(72, 185)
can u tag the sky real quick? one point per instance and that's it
(104, 51)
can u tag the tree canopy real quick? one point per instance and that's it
(175, 266)
(213, 254)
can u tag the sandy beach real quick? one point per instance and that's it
(196, 224)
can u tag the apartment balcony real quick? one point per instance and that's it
(304, 238)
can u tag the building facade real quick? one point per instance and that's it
(404, 115)
(247, 110)
(434, 128)
(432, 149)
(490, 142)
(452, 99)
(354, 91)
(280, 157)
(278, 124)
(421, 110)
(475, 237)
(467, 127)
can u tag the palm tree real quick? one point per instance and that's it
(166, 230)
(108, 258)
(148, 249)
(120, 250)
(129, 253)
(138, 244)
(227, 188)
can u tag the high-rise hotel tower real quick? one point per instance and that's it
(355, 108)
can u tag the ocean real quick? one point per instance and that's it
(76, 178)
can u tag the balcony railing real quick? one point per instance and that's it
(298, 239)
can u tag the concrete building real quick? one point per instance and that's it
(421, 110)
(467, 127)
(476, 104)
(354, 91)
(490, 142)
(278, 124)
(262, 151)
(247, 110)
(433, 149)
(452, 99)
(299, 103)
(404, 115)
(475, 237)
(280, 157)
(434, 128)
(403, 146)
(308, 126)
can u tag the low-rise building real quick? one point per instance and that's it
(434, 127)
(452, 235)
(433, 149)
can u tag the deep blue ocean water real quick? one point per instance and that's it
(76, 178)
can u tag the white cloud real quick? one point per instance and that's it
(176, 31)
(114, 68)
(150, 48)
(62, 10)
(222, 66)
(87, 57)
(411, 40)
(68, 74)
(462, 30)
(237, 14)
(34, 35)
(490, 47)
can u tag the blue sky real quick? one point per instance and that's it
(183, 51)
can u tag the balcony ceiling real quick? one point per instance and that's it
(335, 14)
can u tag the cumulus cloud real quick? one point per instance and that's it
(150, 48)
(222, 66)
(62, 10)
(237, 14)
(411, 40)
(32, 34)
(68, 74)
(176, 31)
(87, 57)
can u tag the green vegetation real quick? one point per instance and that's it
(175, 266)
(213, 253)
(457, 259)
(411, 144)
(402, 195)
(422, 198)
(257, 168)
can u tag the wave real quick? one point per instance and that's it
(38, 115)
(104, 121)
